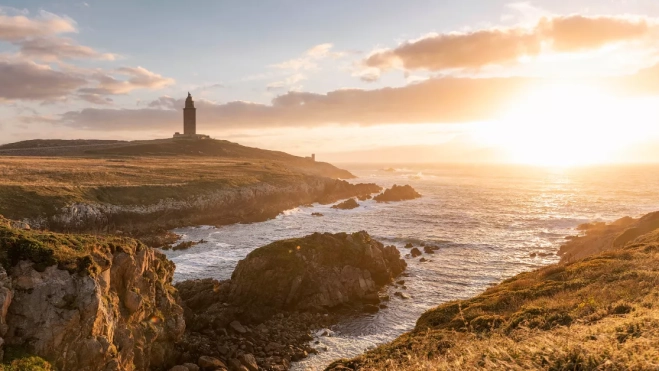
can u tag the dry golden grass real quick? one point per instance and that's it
(33, 186)
(600, 313)
(131, 171)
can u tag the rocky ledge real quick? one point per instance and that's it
(84, 302)
(279, 293)
(397, 193)
(348, 204)
(215, 206)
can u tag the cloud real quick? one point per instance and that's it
(500, 46)
(289, 82)
(31, 81)
(309, 60)
(576, 32)
(138, 78)
(96, 99)
(436, 100)
(53, 49)
(164, 102)
(20, 27)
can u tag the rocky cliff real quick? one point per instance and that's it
(257, 202)
(86, 302)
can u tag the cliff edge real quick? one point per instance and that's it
(85, 303)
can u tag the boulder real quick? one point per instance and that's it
(237, 327)
(415, 252)
(409, 245)
(249, 361)
(348, 204)
(317, 271)
(207, 363)
(401, 295)
(317, 214)
(397, 193)
(236, 365)
(191, 366)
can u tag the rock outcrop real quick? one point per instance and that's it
(87, 303)
(397, 193)
(317, 271)
(348, 204)
(263, 316)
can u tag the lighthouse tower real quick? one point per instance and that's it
(189, 117)
(189, 122)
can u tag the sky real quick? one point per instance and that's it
(542, 82)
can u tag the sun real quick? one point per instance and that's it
(566, 124)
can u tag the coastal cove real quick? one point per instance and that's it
(489, 222)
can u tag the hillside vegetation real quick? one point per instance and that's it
(138, 173)
(599, 312)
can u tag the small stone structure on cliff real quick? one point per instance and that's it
(190, 122)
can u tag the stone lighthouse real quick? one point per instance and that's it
(189, 117)
(189, 122)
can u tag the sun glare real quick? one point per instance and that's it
(566, 124)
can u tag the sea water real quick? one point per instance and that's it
(490, 222)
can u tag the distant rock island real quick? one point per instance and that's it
(348, 204)
(397, 193)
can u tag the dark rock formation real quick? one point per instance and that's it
(280, 292)
(317, 214)
(348, 204)
(317, 271)
(415, 252)
(397, 193)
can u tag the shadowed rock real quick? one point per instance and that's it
(348, 204)
(317, 271)
(397, 193)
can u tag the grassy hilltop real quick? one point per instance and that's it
(38, 177)
(598, 312)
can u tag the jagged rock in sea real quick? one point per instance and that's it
(86, 302)
(317, 271)
(348, 204)
(397, 193)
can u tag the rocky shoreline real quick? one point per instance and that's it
(85, 302)
(151, 223)
(281, 293)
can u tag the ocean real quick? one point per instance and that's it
(490, 222)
